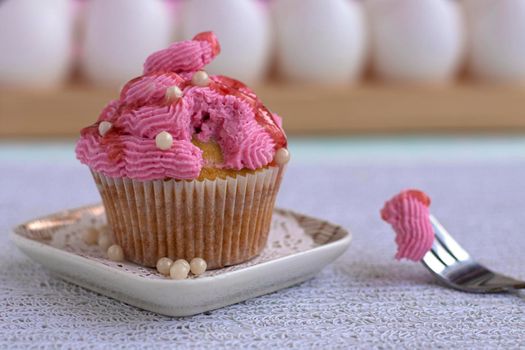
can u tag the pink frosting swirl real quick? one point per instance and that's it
(184, 56)
(225, 112)
(409, 215)
(149, 88)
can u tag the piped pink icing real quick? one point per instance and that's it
(149, 89)
(226, 112)
(184, 56)
(408, 213)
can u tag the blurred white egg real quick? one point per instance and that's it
(35, 42)
(416, 40)
(119, 36)
(496, 39)
(320, 41)
(174, 11)
(243, 30)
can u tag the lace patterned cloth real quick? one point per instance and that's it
(364, 300)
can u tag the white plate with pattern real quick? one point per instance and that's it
(298, 247)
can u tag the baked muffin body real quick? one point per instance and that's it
(188, 165)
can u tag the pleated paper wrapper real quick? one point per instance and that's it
(224, 221)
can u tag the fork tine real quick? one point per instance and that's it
(451, 264)
(447, 241)
(442, 254)
(432, 263)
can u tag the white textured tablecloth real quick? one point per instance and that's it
(364, 300)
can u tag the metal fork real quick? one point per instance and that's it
(454, 266)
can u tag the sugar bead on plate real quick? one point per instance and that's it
(179, 270)
(164, 265)
(198, 266)
(115, 253)
(104, 241)
(183, 262)
(90, 236)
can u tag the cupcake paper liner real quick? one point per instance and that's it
(223, 221)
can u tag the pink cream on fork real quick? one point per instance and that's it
(408, 213)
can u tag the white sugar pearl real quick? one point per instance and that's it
(282, 156)
(104, 127)
(164, 140)
(200, 78)
(163, 266)
(115, 253)
(90, 236)
(198, 266)
(173, 93)
(179, 269)
(104, 241)
(183, 262)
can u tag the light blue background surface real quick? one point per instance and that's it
(337, 149)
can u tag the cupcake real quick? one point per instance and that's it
(187, 164)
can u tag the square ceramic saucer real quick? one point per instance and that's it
(298, 247)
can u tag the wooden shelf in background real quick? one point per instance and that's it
(367, 108)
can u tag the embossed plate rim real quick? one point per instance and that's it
(324, 253)
(16, 235)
